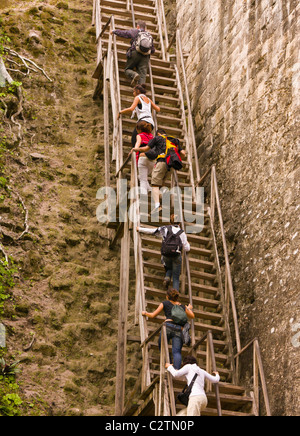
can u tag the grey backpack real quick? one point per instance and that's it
(143, 43)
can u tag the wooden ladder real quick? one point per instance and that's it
(205, 282)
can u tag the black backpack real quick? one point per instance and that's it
(173, 159)
(172, 243)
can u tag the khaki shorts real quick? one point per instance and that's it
(159, 174)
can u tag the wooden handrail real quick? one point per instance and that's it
(132, 13)
(123, 166)
(181, 63)
(258, 372)
(104, 29)
(215, 200)
(159, 13)
(186, 133)
(171, 42)
(215, 203)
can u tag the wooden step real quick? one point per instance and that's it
(201, 354)
(159, 97)
(138, 7)
(154, 241)
(148, 219)
(119, 24)
(199, 314)
(196, 287)
(219, 344)
(147, 252)
(199, 326)
(196, 274)
(150, 19)
(200, 301)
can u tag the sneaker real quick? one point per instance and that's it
(166, 282)
(135, 79)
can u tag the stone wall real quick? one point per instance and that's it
(244, 77)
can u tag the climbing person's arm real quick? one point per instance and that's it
(154, 106)
(155, 313)
(177, 373)
(137, 145)
(147, 230)
(141, 149)
(189, 311)
(213, 378)
(128, 34)
(151, 144)
(129, 109)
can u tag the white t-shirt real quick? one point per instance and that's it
(189, 371)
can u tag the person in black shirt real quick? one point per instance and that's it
(174, 331)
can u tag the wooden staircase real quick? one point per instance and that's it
(205, 283)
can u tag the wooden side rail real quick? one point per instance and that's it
(228, 296)
(258, 374)
(165, 402)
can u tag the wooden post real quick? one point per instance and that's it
(255, 381)
(122, 330)
(106, 129)
(262, 377)
(164, 344)
(214, 369)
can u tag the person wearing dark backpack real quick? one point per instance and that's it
(195, 376)
(138, 55)
(174, 241)
(176, 317)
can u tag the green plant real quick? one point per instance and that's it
(10, 401)
(3, 40)
(10, 89)
(6, 282)
(6, 369)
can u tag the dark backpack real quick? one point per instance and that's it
(143, 43)
(172, 243)
(178, 315)
(173, 159)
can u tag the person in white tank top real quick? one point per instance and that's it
(142, 106)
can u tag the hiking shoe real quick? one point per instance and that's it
(135, 79)
(166, 282)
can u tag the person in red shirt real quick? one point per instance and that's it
(145, 165)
